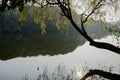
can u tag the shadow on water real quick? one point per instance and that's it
(23, 45)
(22, 39)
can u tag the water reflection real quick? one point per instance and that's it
(18, 40)
(23, 45)
(53, 43)
(22, 39)
(15, 69)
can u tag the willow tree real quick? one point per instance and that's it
(66, 9)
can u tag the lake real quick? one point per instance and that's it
(25, 52)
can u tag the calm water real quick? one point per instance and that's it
(23, 50)
(16, 68)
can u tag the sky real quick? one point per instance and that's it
(110, 10)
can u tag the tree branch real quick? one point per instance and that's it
(101, 73)
(107, 46)
(65, 8)
(67, 12)
(98, 5)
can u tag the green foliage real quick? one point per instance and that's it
(40, 14)
(53, 13)
(42, 25)
(23, 15)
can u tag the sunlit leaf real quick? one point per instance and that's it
(23, 15)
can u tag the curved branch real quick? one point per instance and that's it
(67, 12)
(97, 6)
(65, 8)
(101, 73)
(107, 46)
(82, 24)
(101, 45)
(81, 32)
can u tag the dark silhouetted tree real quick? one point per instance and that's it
(66, 10)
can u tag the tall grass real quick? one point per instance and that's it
(63, 73)
(60, 73)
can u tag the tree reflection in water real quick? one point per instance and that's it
(21, 39)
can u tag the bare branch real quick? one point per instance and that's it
(65, 7)
(51, 3)
(82, 24)
(101, 73)
(97, 6)
(67, 12)
(106, 46)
